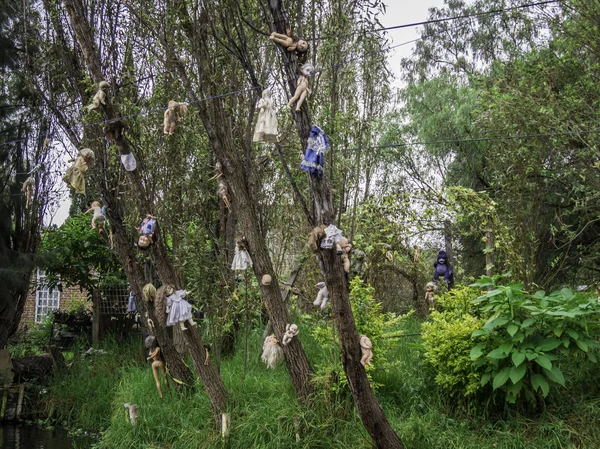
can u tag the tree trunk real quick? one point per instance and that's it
(323, 210)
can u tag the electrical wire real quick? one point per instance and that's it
(446, 19)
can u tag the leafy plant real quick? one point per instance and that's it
(520, 343)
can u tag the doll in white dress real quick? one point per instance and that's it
(178, 309)
(266, 125)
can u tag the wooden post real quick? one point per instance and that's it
(489, 253)
(95, 317)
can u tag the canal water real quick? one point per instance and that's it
(20, 436)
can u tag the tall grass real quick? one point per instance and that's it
(263, 405)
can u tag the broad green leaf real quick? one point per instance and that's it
(517, 373)
(539, 381)
(582, 345)
(592, 357)
(558, 331)
(495, 322)
(555, 375)
(485, 378)
(549, 344)
(512, 329)
(497, 353)
(518, 358)
(480, 332)
(477, 351)
(501, 378)
(573, 334)
(543, 361)
(506, 347)
(512, 392)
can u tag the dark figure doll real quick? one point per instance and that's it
(443, 269)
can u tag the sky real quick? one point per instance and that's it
(398, 12)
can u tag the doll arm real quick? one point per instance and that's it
(88, 211)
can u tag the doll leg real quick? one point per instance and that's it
(346, 261)
(156, 379)
(182, 325)
(301, 100)
(164, 375)
(192, 322)
(294, 98)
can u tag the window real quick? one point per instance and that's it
(46, 300)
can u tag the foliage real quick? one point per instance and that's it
(520, 343)
(75, 254)
(370, 321)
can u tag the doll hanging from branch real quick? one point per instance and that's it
(430, 289)
(75, 175)
(157, 364)
(366, 348)
(223, 191)
(146, 231)
(28, 190)
(266, 124)
(322, 296)
(293, 43)
(291, 330)
(272, 352)
(241, 257)
(98, 218)
(173, 114)
(302, 89)
(178, 309)
(99, 97)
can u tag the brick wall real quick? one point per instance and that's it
(68, 297)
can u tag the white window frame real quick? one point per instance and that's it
(46, 300)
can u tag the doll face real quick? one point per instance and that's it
(441, 260)
(144, 241)
(302, 46)
(95, 204)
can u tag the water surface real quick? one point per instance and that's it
(20, 436)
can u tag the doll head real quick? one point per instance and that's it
(149, 293)
(88, 156)
(144, 241)
(301, 46)
(293, 329)
(430, 287)
(150, 342)
(266, 279)
(170, 290)
(307, 69)
(267, 94)
(95, 204)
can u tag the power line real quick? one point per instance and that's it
(446, 19)
(527, 5)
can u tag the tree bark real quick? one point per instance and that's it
(323, 210)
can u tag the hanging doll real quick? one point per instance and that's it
(315, 237)
(132, 412)
(131, 308)
(223, 191)
(157, 363)
(366, 348)
(146, 231)
(291, 330)
(100, 97)
(179, 309)
(266, 124)
(272, 352)
(28, 189)
(241, 257)
(75, 175)
(443, 269)
(322, 296)
(173, 114)
(333, 236)
(344, 247)
(293, 43)
(302, 90)
(357, 264)
(314, 156)
(430, 289)
(98, 219)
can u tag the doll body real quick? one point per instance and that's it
(443, 269)
(266, 124)
(28, 190)
(98, 219)
(430, 289)
(75, 175)
(158, 365)
(292, 43)
(366, 348)
(146, 231)
(99, 97)
(345, 247)
(322, 296)
(291, 330)
(241, 257)
(301, 93)
(179, 310)
(173, 114)
(272, 352)
(223, 191)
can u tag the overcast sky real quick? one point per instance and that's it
(398, 12)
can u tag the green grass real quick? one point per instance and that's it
(263, 404)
